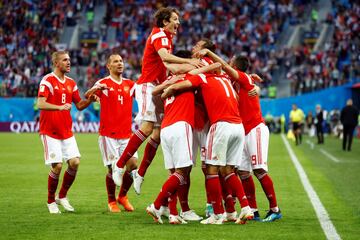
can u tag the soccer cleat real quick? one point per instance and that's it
(217, 219)
(164, 211)
(176, 219)
(117, 174)
(53, 208)
(272, 216)
(124, 201)
(154, 213)
(65, 203)
(256, 216)
(190, 216)
(231, 217)
(138, 180)
(113, 207)
(209, 210)
(245, 214)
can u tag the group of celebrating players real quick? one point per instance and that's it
(189, 101)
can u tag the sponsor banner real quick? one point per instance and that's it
(32, 126)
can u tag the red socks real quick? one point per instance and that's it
(134, 143)
(110, 188)
(69, 177)
(53, 180)
(268, 187)
(233, 182)
(184, 195)
(214, 189)
(172, 204)
(227, 196)
(149, 154)
(127, 181)
(169, 188)
(249, 188)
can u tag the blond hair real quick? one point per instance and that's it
(55, 56)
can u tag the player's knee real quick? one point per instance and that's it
(56, 168)
(74, 163)
(243, 174)
(147, 127)
(260, 173)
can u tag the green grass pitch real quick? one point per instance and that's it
(23, 194)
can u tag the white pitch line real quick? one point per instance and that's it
(321, 213)
(329, 155)
(311, 144)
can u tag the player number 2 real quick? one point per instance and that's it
(63, 98)
(120, 98)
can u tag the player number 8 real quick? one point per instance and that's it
(63, 98)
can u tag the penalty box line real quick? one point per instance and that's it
(321, 213)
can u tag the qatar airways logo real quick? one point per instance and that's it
(30, 127)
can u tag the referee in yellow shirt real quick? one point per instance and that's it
(297, 118)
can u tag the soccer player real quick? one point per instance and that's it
(256, 136)
(157, 51)
(225, 140)
(176, 138)
(56, 93)
(116, 97)
(297, 118)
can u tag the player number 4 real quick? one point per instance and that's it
(120, 98)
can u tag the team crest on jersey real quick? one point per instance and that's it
(126, 89)
(111, 157)
(52, 155)
(69, 88)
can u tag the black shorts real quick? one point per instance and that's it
(296, 126)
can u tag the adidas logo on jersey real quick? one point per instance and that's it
(111, 89)
(56, 87)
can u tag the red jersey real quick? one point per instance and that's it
(116, 108)
(178, 108)
(54, 123)
(249, 107)
(219, 97)
(153, 68)
(201, 117)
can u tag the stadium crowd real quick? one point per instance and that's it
(30, 29)
(337, 63)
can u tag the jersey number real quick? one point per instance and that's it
(120, 98)
(63, 98)
(227, 86)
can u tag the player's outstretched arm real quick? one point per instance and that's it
(84, 103)
(170, 58)
(43, 105)
(172, 89)
(94, 89)
(159, 89)
(179, 68)
(204, 69)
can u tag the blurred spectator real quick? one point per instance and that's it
(349, 119)
(319, 121)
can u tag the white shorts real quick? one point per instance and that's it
(57, 151)
(225, 144)
(176, 143)
(150, 108)
(256, 149)
(111, 149)
(199, 142)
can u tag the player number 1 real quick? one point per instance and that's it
(120, 98)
